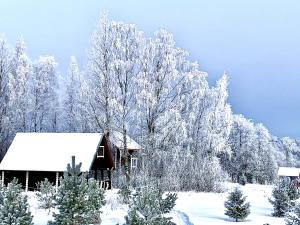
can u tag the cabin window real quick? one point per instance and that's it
(100, 152)
(134, 163)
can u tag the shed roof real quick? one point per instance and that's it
(117, 139)
(288, 172)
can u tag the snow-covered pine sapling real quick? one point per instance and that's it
(148, 206)
(236, 205)
(283, 197)
(78, 200)
(46, 195)
(293, 218)
(14, 208)
(125, 193)
(94, 201)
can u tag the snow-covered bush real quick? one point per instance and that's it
(209, 176)
(236, 205)
(78, 200)
(46, 195)
(14, 208)
(148, 206)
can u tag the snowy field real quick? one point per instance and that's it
(191, 208)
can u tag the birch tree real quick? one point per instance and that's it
(209, 125)
(125, 69)
(100, 74)
(159, 81)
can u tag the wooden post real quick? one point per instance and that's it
(109, 177)
(2, 178)
(27, 179)
(56, 182)
(102, 175)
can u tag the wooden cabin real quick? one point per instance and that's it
(291, 172)
(32, 157)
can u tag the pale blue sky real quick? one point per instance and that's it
(257, 42)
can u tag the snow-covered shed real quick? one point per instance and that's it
(291, 172)
(35, 156)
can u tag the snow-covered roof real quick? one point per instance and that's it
(53, 151)
(288, 172)
(50, 151)
(117, 139)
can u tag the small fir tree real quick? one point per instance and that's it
(293, 218)
(284, 196)
(78, 200)
(46, 195)
(14, 209)
(125, 193)
(148, 207)
(236, 205)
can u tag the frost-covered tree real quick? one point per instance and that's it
(5, 59)
(266, 169)
(14, 209)
(217, 121)
(113, 67)
(45, 96)
(20, 90)
(209, 123)
(252, 153)
(290, 148)
(242, 156)
(74, 100)
(78, 200)
(160, 82)
(148, 207)
(100, 74)
(236, 205)
(125, 69)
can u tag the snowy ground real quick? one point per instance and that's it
(191, 208)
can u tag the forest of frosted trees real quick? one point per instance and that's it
(146, 88)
